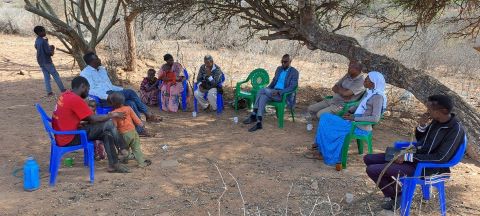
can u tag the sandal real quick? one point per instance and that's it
(118, 169)
(313, 155)
(313, 147)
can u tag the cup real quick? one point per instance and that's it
(194, 114)
(68, 162)
(309, 127)
(235, 120)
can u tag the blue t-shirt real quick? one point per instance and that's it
(280, 85)
(44, 53)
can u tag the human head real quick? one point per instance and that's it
(354, 68)
(92, 59)
(169, 59)
(151, 73)
(375, 80)
(208, 60)
(439, 106)
(93, 105)
(116, 99)
(286, 61)
(80, 86)
(40, 31)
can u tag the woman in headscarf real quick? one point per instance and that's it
(333, 129)
(171, 74)
(149, 88)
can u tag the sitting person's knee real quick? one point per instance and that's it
(198, 93)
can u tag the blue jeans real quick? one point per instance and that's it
(132, 100)
(49, 69)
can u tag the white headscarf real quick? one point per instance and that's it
(379, 82)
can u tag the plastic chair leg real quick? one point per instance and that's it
(86, 154)
(219, 104)
(91, 163)
(236, 104)
(184, 100)
(426, 189)
(280, 115)
(360, 146)
(345, 147)
(369, 143)
(159, 100)
(55, 166)
(408, 191)
(441, 196)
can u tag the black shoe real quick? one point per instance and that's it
(390, 204)
(251, 119)
(257, 126)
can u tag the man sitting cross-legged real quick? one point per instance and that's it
(285, 80)
(349, 88)
(101, 86)
(438, 142)
(71, 110)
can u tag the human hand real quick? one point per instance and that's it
(52, 47)
(424, 119)
(399, 160)
(348, 116)
(120, 115)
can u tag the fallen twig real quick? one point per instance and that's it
(286, 204)
(243, 201)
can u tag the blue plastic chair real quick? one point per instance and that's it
(438, 181)
(219, 97)
(184, 92)
(57, 152)
(101, 110)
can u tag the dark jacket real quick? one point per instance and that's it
(291, 82)
(216, 75)
(439, 143)
(44, 52)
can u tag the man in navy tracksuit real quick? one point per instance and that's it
(44, 59)
(438, 142)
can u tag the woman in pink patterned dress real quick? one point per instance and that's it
(171, 75)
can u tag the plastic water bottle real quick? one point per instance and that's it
(235, 119)
(194, 114)
(31, 174)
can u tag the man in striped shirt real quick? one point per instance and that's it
(437, 141)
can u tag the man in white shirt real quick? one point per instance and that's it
(101, 86)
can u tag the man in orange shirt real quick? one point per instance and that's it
(126, 127)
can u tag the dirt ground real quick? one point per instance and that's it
(273, 176)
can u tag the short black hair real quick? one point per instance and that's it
(167, 57)
(442, 101)
(117, 99)
(38, 29)
(286, 56)
(89, 57)
(78, 81)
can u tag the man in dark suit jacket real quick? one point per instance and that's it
(285, 81)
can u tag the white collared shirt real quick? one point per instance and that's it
(99, 81)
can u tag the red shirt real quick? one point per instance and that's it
(69, 111)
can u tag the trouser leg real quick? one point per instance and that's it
(212, 98)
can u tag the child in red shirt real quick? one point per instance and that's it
(126, 127)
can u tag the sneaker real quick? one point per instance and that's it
(391, 204)
(257, 126)
(251, 119)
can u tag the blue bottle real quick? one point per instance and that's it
(31, 175)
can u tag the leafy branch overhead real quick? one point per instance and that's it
(81, 26)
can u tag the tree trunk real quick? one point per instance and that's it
(418, 82)
(131, 52)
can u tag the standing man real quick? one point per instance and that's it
(349, 88)
(71, 110)
(44, 59)
(208, 80)
(285, 81)
(437, 142)
(101, 86)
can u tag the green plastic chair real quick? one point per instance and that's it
(259, 79)
(280, 107)
(360, 139)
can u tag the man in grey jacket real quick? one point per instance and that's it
(285, 81)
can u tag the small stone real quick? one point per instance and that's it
(21, 72)
(314, 185)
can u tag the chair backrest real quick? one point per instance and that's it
(259, 78)
(185, 73)
(46, 123)
(454, 161)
